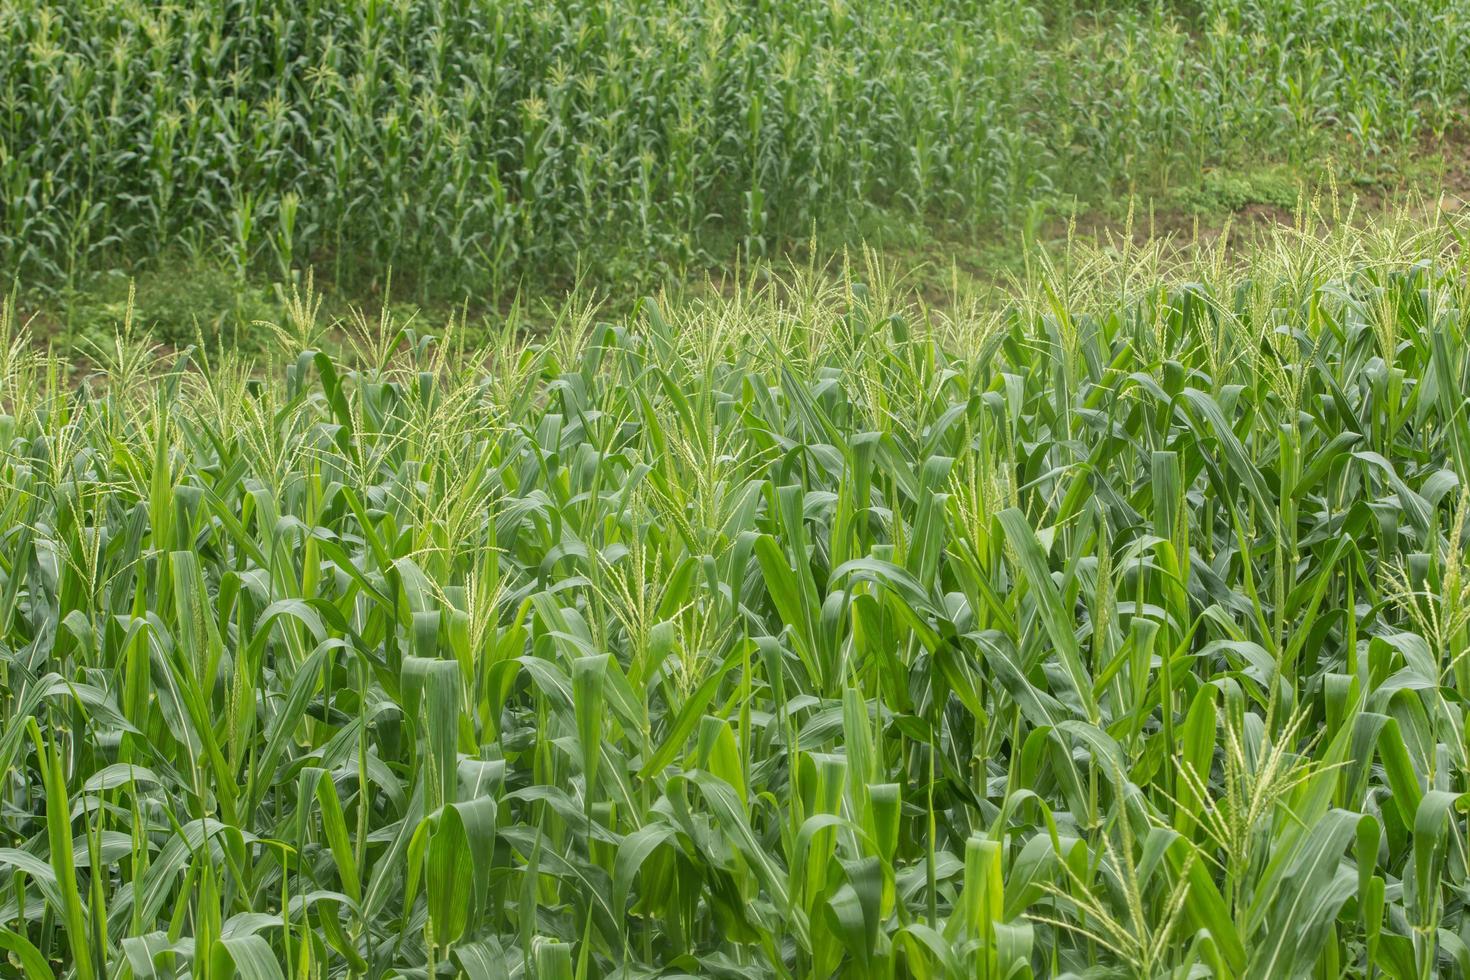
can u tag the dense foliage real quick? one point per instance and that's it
(468, 144)
(795, 634)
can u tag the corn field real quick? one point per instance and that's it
(796, 633)
(470, 146)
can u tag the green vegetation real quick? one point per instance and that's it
(471, 147)
(794, 633)
(1084, 602)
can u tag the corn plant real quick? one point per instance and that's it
(470, 145)
(794, 633)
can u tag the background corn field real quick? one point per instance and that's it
(470, 146)
(793, 634)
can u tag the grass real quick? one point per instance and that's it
(199, 302)
(802, 631)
